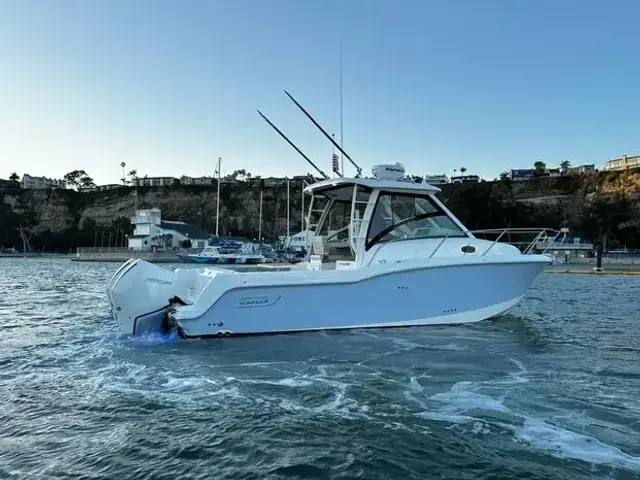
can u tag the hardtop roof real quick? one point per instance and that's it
(373, 183)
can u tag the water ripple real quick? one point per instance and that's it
(550, 391)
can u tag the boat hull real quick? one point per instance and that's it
(424, 296)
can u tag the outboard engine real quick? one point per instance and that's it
(140, 293)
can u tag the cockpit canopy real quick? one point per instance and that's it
(350, 216)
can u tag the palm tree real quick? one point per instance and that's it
(133, 176)
(124, 178)
(14, 177)
(462, 170)
(564, 166)
(455, 172)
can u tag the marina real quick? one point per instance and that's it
(434, 276)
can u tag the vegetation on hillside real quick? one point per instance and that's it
(596, 207)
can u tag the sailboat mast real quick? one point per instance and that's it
(302, 207)
(218, 198)
(260, 221)
(288, 202)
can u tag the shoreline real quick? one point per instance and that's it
(577, 268)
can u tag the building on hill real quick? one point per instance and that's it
(521, 174)
(436, 179)
(151, 231)
(465, 179)
(581, 169)
(622, 163)
(275, 182)
(8, 183)
(184, 180)
(41, 183)
(109, 186)
(155, 181)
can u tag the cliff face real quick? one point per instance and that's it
(590, 205)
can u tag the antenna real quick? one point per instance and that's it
(341, 115)
(324, 175)
(325, 133)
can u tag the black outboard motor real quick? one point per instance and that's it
(167, 321)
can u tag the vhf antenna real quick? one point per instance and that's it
(324, 175)
(359, 170)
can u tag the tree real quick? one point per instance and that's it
(79, 180)
(240, 175)
(87, 183)
(26, 207)
(124, 177)
(463, 170)
(26, 232)
(186, 243)
(539, 168)
(14, 177)
(122, 228)
(564, 166)
(133, 176)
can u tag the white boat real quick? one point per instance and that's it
(222, 255)
(407, 261)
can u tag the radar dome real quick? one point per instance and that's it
(388, 172)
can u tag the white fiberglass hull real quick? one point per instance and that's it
(412, 294)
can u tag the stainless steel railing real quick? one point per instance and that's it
(541, 236)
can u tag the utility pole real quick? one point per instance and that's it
(288, 201)
(218, 198)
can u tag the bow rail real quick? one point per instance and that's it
(541, 235)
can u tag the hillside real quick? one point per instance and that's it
(592, 206)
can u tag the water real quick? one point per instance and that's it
(552, 391)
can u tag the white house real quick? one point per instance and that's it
(151, 231)
(155, 181)
(436, 179)
(184, 180)
(41, 183)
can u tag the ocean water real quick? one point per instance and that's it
(551, 391)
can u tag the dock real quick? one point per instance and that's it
(583, 271)
(119, 255)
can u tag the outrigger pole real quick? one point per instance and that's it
(359, 170)
(324, 175)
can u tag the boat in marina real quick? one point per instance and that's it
(222, 255)
(410, 262)
(397, 258)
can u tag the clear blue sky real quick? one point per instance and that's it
(168, 86)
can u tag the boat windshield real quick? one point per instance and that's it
(400, 216)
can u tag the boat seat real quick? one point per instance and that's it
(315, 263)
(320, 246)
(345, 264)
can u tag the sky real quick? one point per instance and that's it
(170, 86)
